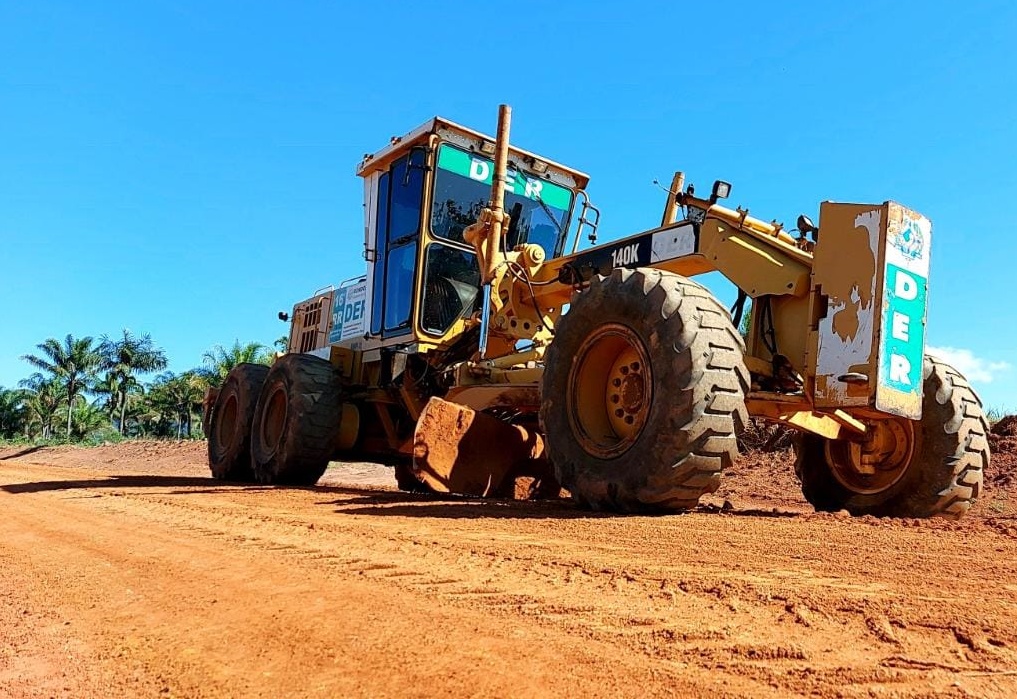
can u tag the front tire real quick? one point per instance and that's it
(297, 420)
(229, 424)
(942, 475)
(643, 393)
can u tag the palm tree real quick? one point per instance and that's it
(12, 411)
(123, 358)
(174, 398)
(154, 415)
(193, 391)
(43, 398)
(72, 363)
(219, 360)
(107, 389)
(113, 395)
(88, 418)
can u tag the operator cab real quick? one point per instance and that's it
(420, 194)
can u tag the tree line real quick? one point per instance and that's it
(83, 389)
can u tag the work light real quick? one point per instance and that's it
(721, 190)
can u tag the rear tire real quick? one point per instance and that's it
(229, 428)
(297, 420)
(643, 393)
(944, 475)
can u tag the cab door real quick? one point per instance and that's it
(397, 237)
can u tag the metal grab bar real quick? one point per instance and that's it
(585, 221)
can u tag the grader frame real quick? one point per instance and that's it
(834, 347)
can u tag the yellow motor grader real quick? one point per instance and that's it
(483, 353)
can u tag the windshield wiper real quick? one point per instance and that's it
(547, 210)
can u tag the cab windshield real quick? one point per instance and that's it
(462, 187)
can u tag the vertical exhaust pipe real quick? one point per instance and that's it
(496, 205)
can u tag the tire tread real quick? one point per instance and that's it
(708, 405)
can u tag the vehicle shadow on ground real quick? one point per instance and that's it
(125, 481)
(373, 502)
(24, 452)
(194, 485)
(445, 506)
(398, 504)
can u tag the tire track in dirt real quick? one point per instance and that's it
(750, 604)
(163, 609)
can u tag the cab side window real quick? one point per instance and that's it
(400, 192)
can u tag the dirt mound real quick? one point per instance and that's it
(160, 458)
(762, 480)
(153, 456)
(1006, 427)
(763, 477)
(762, 436)
(1001, 476)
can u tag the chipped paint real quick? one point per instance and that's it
(904, 293)
(846, 333)
(671, 243)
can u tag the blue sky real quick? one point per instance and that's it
(186, 169)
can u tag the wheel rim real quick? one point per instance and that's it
(877, 463)
(273, 421)
(611, 391)
(226, 423)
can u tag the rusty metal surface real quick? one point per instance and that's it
(871, 266)
(521, 397)
(846, 271)
(459, 450)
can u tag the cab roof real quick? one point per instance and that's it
(398, 144)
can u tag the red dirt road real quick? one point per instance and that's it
(126, 571)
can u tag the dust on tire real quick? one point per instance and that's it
(945, 474)
(308, 431)
(229, 433)
(697, 360)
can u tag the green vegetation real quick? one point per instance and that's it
(994, 413)
(88, 392)
(123, 359)
(220, 360)
(71, 365)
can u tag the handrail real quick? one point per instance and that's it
(584, 221)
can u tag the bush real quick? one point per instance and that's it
(103, 435)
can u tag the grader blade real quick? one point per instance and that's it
(459, 450)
